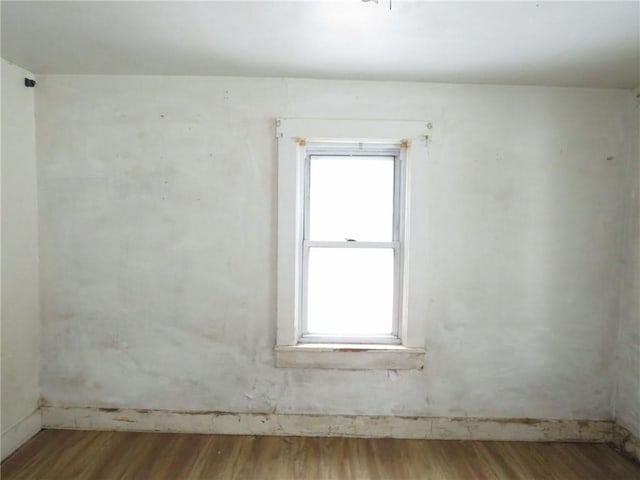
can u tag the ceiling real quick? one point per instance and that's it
(585, 44)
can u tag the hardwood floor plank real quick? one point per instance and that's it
(66, 455)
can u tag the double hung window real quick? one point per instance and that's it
(351, 243)
(348, 295)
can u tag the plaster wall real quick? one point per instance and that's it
(158, 246)
(20, 303)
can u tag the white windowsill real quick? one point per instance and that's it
(349, 356)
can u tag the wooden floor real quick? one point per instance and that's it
(65, 454)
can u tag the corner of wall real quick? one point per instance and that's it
(14, 437)
(626, 395)
(626, 442)
(19, 312)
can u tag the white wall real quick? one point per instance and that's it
(627, 407)
(20, 304)
(158, 223)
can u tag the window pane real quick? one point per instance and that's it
(350, 291)
(351, 197)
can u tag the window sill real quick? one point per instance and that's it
(350, 356)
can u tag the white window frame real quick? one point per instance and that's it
(293, 136)
(396, 151)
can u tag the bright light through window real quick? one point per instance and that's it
(351, 247)
(351, 198)
(350, 291)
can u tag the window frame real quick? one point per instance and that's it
(292, 136)
(395, 153)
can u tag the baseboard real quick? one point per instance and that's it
(89, 418)
(22, 431)
(627, 442)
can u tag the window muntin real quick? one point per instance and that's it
(351, 253)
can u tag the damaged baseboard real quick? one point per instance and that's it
(517, 429)
(19, 433)
(626, 442)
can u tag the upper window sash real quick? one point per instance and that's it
(317, 153)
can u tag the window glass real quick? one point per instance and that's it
(350, 291)
(351, 197)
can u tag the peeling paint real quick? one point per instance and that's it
(123, 419)
(627, 443)
(333, 425)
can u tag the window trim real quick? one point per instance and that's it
(292, 135)
(395, 152)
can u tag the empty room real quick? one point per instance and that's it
(349, 239)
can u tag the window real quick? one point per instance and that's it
(351, 243)
(344, 284)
